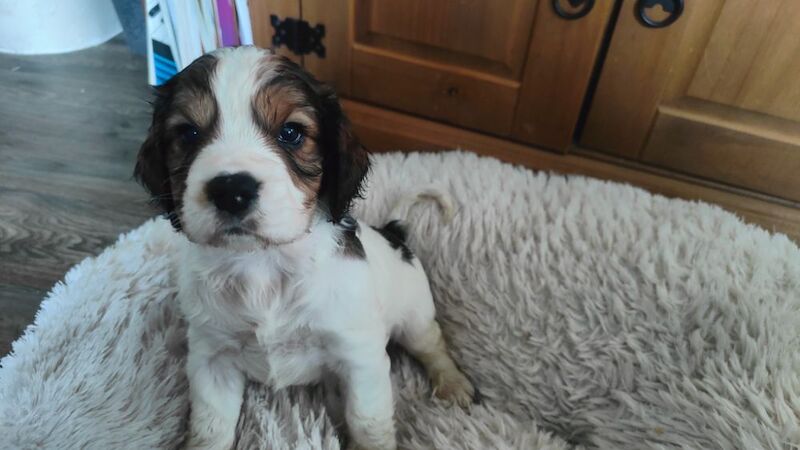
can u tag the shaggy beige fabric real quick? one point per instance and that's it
(587, 313)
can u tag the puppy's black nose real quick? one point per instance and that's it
(233, 193)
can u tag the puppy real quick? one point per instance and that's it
(254, 161)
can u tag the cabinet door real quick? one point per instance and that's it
(472, 63)
(716, 94)
(457, 61)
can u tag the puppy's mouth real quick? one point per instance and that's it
(236, 230)
(238, 233)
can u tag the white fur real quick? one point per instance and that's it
(583, 310)
(295, 314)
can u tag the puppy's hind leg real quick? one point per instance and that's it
(427, 345)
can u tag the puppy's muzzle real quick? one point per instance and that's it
(233, 194)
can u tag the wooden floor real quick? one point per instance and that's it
(70, 127)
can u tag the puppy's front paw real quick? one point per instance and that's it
(452, 386)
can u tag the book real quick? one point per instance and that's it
(245, 27)
(187, 30)
(180, 31)
(226, 23)
(163, 60)
(208, 26)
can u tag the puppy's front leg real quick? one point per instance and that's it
(369, 410)
(216, 390)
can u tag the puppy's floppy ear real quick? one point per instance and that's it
(151, 164)
(345, 161)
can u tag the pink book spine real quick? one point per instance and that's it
(226, 19)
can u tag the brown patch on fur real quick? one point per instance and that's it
(195, 106)
(344, 162)
(281, 100)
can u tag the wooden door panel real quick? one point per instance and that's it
(560, 62)
(485, 35)
(752, 60)
(728, 145)
(458, 61)
(714, 95)
(428, 90)
(635, 72)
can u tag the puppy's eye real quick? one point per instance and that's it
(291, 135)
(188, 134)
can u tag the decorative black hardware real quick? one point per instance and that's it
(587, 6)
(673, 7)
(298, 36)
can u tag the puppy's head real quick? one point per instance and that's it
(246, 147)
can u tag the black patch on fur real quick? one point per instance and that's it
(396, 352)
(351, 246)
(395, 234)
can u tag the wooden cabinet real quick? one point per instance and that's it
(510, 68)
(447, 60)
(712, 100)
(716, 94)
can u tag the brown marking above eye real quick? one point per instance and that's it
(282, 101)
(278, 103)
(192, 99)
(198, 108)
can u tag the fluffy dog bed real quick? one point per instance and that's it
(588, 314)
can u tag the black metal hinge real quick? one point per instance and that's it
(298, 36)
